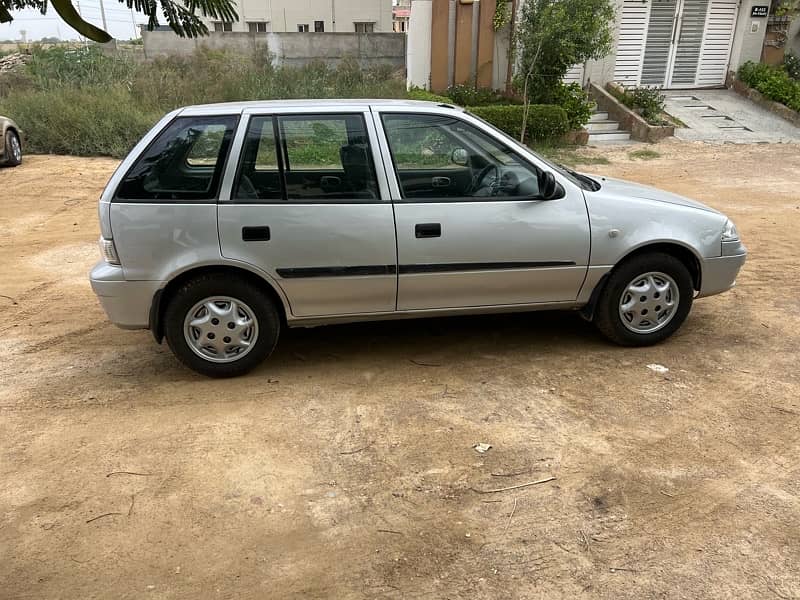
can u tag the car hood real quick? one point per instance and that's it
(620, 187)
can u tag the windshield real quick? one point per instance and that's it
(587, 183)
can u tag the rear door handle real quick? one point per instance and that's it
(255, 234)
(428, 230)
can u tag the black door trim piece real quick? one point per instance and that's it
(366, 270)
(296, 273)
(427, 230)
(487, 266)
(258, 233)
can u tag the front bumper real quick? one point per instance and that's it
(719, 273)
(127, 303)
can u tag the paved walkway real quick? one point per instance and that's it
(725, 116)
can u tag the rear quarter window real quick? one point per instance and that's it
(185, 162)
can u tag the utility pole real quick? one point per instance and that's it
(83, 39)
(136, 35)
(103, 16)
(510, 66)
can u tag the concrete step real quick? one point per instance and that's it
(600, 137)
(594, 126)
(598, 116)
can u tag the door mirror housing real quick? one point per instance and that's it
(549, 189)
(459, 157)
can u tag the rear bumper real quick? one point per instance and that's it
(719, 273)
(127, 303)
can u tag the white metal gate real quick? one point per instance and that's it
(675, 43)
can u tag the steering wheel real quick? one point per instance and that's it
(477, 181)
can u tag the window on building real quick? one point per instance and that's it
(223, 26)
(302, 27)
(319, 26)
(365, 27)
(257, 27)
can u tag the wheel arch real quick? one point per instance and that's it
(162, 296)
(683, 253)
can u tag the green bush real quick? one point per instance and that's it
(83, 122)
(774, 82)
(791, 62)
(84, 102)
(417, 93)
(648, 102)
(469, 95)
(546, 122)
(575, 101)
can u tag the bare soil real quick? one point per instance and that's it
(343, 467)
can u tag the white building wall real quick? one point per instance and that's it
(338, 15)
(418, 49)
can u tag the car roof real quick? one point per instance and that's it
(306, 104)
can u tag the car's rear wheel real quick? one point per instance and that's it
(13, 149)
(221, 327)
(645, 300)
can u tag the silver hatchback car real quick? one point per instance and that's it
(228, 222)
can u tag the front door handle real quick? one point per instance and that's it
(428, 230)
(440, 182)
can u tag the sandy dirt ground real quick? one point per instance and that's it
(344, 468)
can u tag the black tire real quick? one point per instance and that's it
(607, 316)
(9, 160)
(205, 286)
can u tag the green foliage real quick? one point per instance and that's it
(91, 104)
(88, 121)
(644, 154)
(469, 95)
(784, 8)
(774, 82)
(417, 93)
(791, 62)
(53, 67)
(570, 155)
(648, 102)
(573, 99)
(502, 14)
(545, 122)
(554, 35)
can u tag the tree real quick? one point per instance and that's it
(552, 36)
(181, 15)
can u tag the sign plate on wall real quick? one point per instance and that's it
(759, 11)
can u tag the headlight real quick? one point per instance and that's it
(108, 251)
(729, 233)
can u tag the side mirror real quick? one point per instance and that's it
(459, 157)
(548, 186)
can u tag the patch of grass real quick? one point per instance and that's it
(643, 154)
(569, 155)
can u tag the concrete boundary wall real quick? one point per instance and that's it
(289, 49)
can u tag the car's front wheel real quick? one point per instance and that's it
(12, 150)
(221, 327)
(645, 300)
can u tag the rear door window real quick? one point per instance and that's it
(185, 162)
(327, 157)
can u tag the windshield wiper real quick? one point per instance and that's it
(593, 185)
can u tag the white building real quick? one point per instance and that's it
(263, 16)
(671, 44)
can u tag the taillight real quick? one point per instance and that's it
(109, 251)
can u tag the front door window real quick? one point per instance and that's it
(443, 157)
